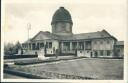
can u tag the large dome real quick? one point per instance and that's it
(61, 15)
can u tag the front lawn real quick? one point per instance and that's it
(102, 69)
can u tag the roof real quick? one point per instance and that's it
(61, 15)
(120, 43)
(92, 35)
(44, 35)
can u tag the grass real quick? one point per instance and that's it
(102, 69)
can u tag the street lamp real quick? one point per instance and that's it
(28, 27)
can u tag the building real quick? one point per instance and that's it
(63, 41)
(119, 49)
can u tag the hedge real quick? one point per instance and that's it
(19, 56)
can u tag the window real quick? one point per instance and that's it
(108, 52)
(33, 46)
(41, 45)
(88, 45)
(74, 45)
(101, 52)
(66, 46)
(29, 46)
(108, 42)
(81, 45)
(96, 54)
(46, 46)
(50, 44)
(37, 47)
(101, 42)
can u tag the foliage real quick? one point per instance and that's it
(10, 48)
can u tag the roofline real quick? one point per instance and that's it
(85, 39)
(36, 35)
(109, 34)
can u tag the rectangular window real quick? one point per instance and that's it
(88, 45)
(81, 45)
(74, 45)
(33, 46)
(46, 45)
(108, 42)
(66, 46)
(108, 52)
(101, 52)
(96, 53)
(50, 44)
(37, 47)
(41, 45)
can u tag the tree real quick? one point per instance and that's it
(17, 47)
(10, 48)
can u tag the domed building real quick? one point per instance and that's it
(62, 22)
(62, 41)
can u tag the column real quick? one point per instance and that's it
(32, 46)
(77, 45)
(62, 46)
(70, 46)
(84, 45)
(28, 46)
(39, 46)
(45, 44)
(84, 49)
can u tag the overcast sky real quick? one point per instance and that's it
(87, 16)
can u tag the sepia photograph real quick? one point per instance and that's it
(63, 40)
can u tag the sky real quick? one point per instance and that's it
(87, 16)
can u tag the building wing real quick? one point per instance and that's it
(92, 35)
(121, 43)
